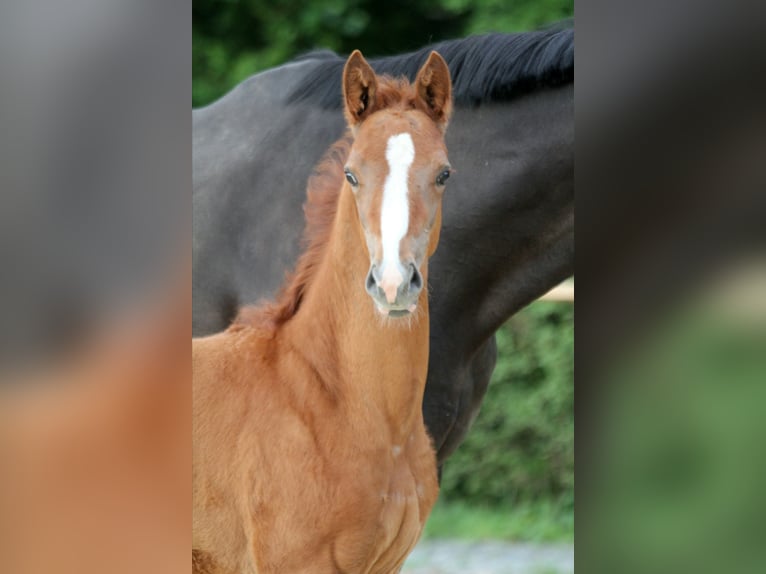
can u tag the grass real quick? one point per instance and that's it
(528, 522)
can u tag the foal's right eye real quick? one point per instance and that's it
(351, 178)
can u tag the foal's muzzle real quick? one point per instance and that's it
(394, 294)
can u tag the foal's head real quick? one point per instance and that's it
(397, 168)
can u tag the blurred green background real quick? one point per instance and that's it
(513, 477)
(233, 39)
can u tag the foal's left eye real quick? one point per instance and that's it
(442, 178)
(351, 178)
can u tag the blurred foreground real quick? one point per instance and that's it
(96, 451)
(95, 296)
(677, 465)
(671, 243)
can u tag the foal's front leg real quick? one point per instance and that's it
(203, 563)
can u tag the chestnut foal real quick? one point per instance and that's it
(310, 452)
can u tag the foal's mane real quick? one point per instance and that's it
(323, 191)
(486, 68)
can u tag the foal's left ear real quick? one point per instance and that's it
(434, 89)
(359, 89)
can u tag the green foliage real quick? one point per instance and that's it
(233, 39)
(544, 521)
(521, 447)
(510, 16)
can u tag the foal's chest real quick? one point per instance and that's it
(391, 517)
(361, 522)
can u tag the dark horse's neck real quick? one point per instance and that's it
(499, 249)
(357, 355)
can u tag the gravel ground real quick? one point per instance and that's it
(489, 557)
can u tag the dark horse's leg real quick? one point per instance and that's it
(466, 392)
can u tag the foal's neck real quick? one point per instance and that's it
(360, 356)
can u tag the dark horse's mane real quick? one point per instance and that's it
(491, 67)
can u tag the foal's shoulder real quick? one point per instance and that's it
(209, 345)
(230, 349)
(229, 342)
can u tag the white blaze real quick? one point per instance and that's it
(395, 211)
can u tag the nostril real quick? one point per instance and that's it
(416, 280)
(370, 284)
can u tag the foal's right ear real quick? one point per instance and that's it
(435, 89)
(359, 88)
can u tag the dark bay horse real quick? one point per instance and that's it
(310, 450)
(508, 229)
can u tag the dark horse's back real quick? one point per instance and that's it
(508, 227)
(252, 158)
